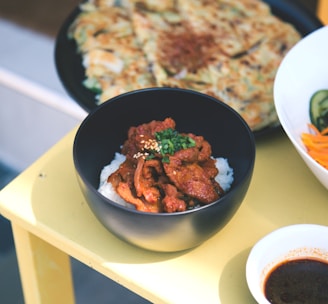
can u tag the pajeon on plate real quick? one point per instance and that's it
(228, 49)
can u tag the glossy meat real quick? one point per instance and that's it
(157, 185)
(187, 173)
(138, 136)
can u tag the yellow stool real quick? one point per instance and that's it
(323, 11)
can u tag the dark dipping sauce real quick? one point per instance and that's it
(298, 281)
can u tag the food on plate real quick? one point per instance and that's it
(162, 170)
(113, 60)
(229, 49)
(316, 143)
(319, 109)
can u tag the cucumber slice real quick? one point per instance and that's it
(319, 109)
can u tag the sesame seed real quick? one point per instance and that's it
(147, 145)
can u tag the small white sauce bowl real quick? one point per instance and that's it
(284, 244)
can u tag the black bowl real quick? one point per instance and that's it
(103, 132)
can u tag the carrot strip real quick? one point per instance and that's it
(316, 143)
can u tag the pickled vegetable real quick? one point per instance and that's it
(319, 109)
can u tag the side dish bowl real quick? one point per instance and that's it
(303, 71)
(295, 242)
(105, 129)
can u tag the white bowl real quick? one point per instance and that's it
(287, 243)
(303, 71)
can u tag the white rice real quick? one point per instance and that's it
(106, 189)
(224, 178)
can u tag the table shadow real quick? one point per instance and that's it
(233, 287)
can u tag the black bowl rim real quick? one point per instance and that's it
(182, 213)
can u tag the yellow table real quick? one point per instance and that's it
(323, 11)
(51, 221)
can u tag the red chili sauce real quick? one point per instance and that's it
(299, 281)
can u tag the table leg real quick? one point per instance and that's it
(45, 270)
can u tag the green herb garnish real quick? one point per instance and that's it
(171, 141)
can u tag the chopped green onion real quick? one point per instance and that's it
(171, 141)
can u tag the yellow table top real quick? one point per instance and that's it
(322, 10)
(46, 200)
